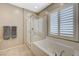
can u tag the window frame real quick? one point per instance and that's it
(49, 24)
(57, 24)
(75, 22)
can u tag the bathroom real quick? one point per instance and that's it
(38, 29)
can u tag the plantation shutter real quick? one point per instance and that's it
(54, 23)
(66, 21)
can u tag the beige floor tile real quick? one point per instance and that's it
(21, 50)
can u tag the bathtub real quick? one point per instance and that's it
(55, 47)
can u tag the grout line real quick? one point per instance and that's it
(23, 25)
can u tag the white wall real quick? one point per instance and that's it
(11, 16)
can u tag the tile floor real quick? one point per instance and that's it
(20, 50)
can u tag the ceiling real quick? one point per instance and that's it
(35, 7)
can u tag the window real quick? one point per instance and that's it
(61, 22)
(54, 23)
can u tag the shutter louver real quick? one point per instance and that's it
(66, 22)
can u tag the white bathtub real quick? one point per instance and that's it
(52, 48)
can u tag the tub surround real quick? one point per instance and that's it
(52, 46)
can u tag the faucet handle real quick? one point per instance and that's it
(55, 54)
(62, 52)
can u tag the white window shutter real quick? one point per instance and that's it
(54, 23)
(66, 22)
